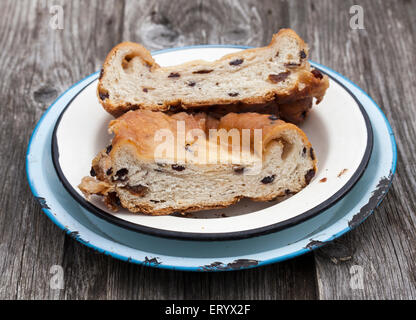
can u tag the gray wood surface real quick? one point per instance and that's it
(37, 63)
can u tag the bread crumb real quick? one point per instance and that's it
(342, 172)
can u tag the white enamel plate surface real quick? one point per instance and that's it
(338, 128)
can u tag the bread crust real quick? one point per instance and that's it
(308, 85)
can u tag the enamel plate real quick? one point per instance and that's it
(338, 128)
(107, 237)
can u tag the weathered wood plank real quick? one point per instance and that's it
(379, 59)
(166, 24)
(288, 280)
(26, 254)
(37, 64)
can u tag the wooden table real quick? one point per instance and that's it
(39, 62)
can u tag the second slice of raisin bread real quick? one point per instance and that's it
(131, 79)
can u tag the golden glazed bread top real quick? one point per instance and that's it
(138, 129)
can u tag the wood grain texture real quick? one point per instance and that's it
(288, 280)
(380, 59)
(45, 63)
(26, 254)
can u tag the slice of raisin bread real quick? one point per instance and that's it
(131, 173)
(131, 79)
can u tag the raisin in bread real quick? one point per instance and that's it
(131, 79)
(129, 174)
